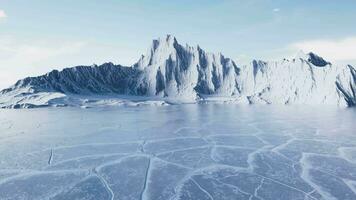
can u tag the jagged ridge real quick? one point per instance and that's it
(170, 70)
(103, 79)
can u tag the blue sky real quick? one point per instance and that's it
(36, 36)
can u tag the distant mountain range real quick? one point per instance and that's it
(173, 73)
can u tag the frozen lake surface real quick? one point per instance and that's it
(178, 152)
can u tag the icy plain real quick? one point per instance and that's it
(193, 151)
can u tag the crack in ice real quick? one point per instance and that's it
(202, 189)
(145, 183)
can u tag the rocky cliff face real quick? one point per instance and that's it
(172, 71)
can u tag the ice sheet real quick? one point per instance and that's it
(205, 151)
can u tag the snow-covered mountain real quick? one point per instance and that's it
(175, 73)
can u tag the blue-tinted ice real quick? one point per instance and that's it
(179, 152)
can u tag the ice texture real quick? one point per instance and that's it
(181, 152)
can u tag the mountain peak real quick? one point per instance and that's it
(169, 40)
(312, 58)
(317, 60)
(160, 49)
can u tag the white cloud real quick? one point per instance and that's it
(333, 50)
(2, 14)
(276, 10)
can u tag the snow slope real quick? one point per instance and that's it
(175, 73)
